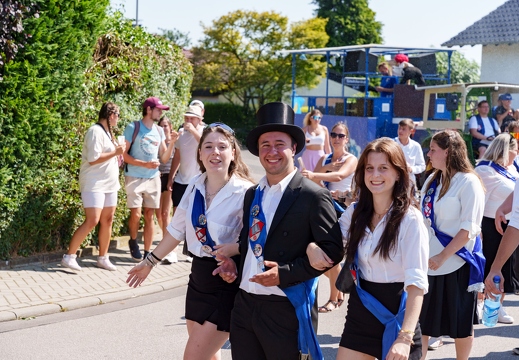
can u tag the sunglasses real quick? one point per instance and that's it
(335, 135)
(221, 126)
(317, 117)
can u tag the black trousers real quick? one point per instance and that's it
(263, 327)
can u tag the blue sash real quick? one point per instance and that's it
(301, 296)
(392, 322)
(475, 259)
(199, 222)
(498, 168)
(326, 183)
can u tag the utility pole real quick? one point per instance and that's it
(137, 14)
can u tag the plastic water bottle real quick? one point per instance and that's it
(491, 307)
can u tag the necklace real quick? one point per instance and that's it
(207, 194)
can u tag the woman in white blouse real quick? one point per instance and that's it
(209, 214)
(453, 199)
(99, 183)
(386, 238)
(498, 173)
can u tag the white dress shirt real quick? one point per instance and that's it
(413, 156)
(224, 216)
(497, 187)
(461, 208)
(514, 219)
(269, 204)
(408, 261)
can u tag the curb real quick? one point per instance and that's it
(68, 305)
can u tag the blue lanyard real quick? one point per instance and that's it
(498, 168)
(199, 221)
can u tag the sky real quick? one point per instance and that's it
(406, 23)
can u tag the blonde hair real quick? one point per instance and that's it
(306, 121)
(499, 149)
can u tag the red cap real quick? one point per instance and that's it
(400, 58)
(154, 102)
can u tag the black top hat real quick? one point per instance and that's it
(275, 116)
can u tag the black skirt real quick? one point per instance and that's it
(448, 308)
(363, 332)
(208, 297)
(491, 241)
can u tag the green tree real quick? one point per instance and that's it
(350, 22)
(463, 70)
(177, 37)
(242, 57)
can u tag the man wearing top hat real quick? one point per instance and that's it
(283, 214)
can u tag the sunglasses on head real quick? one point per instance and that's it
(317, 117)
(221, 126)
(335, 135)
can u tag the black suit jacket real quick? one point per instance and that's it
(305, 214)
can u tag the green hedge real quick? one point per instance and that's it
(51, 94)
(233, 115)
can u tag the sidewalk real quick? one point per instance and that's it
(46, 288)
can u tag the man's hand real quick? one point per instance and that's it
(189, 127)
(153, 164)
(269, 277)
(490, 287)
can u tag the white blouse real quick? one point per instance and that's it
(461, 208)
(514, 220)
(224, 216)
(408, 261)
(497, 188)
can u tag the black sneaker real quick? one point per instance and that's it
(145, 254)
(135, 252)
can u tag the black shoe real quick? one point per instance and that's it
(166, 262)
(135, 252)
(145, 254)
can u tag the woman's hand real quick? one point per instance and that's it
(436, 261)
(307, 174)
(138, 274)
(318, 258)
(226, 250)
(119, 149)
(226, 269)
(399, 350)
(174, 136)
(499, 220)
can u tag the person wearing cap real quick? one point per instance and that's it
(283, 215)
(504, 113)
(183, 165)
(142, 175)
(409, 71)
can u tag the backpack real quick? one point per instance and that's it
(136, 128)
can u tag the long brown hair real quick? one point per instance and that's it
(364, 208)
(456, 161)
(237, 166)
(107, 109)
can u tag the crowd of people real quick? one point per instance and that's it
(414, 259)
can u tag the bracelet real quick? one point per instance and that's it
(407, 340)
(150, 259)
(410, 332)
(156, 258)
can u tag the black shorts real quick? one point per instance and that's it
(178, 192)
(164, 182)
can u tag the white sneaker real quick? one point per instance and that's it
(503, 317)
(70, 262)
(103, 262)
(171, 258)
(435, 343)
(189, 259)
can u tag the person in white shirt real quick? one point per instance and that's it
(508, 244)
(210, 214)
(99, 183)
(453, 200)
(412, 150)
(499, 176)
(387, 241)
(483, 129)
